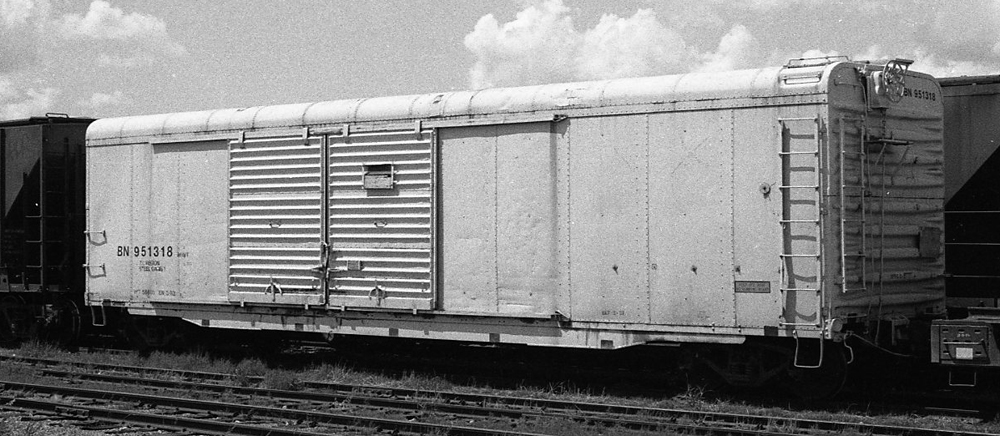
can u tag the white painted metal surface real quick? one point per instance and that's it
(664, 93)
(693, 208)
(275, 220)
(157, 223)
(801, 188)
(610, 236)
(380, 213)
(504, 221)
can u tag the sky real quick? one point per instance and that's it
(105, 58)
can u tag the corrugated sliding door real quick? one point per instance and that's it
(276, 220)
(380, 220)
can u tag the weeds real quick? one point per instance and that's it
(694, 396)
(190, 361)
(282, 380)
(331, 373)
(255, 372)
(246, 372)
(39, 350)
(416, 381)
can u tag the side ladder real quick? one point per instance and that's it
(802, 228)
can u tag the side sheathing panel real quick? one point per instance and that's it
(643, 220)
(503, 229)
(972, 208)
(659, 219)
(163, 212)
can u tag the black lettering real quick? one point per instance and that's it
(920, 94)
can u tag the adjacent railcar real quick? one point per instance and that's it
(788, 207)
(41, 227)
(969, 338)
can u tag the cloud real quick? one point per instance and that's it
(124, 39)
(766, 5)
(629, 47)
(22, 32)
(937, 66)
(22, 12)
(100, 101)
(536, 47)
(737, 49)
(962, 28)
(22, 25)
(16, 104)
(29, 29)
(542, 45)
(927, 62)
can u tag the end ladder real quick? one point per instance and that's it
(854, 219)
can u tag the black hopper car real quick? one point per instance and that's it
(42, 167)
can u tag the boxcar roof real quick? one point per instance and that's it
(61, 119)
(968, 80)
(564, 98)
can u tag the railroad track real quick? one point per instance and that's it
(323, 407)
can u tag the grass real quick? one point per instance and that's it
(39, 350)
(282, 380)
(245, 372)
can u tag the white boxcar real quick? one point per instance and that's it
(798, 201)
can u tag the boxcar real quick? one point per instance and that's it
(787, 205)
(41, 227)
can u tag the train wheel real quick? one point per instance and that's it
(148, 333)
(62, 322)
(12, 320)
(819, 383)
(750, 365)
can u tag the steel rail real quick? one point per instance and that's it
(372, 393)
(416, 403)
(175, 422)
(107, 366)
(272, 412)
(653, 419)
(172, 422)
